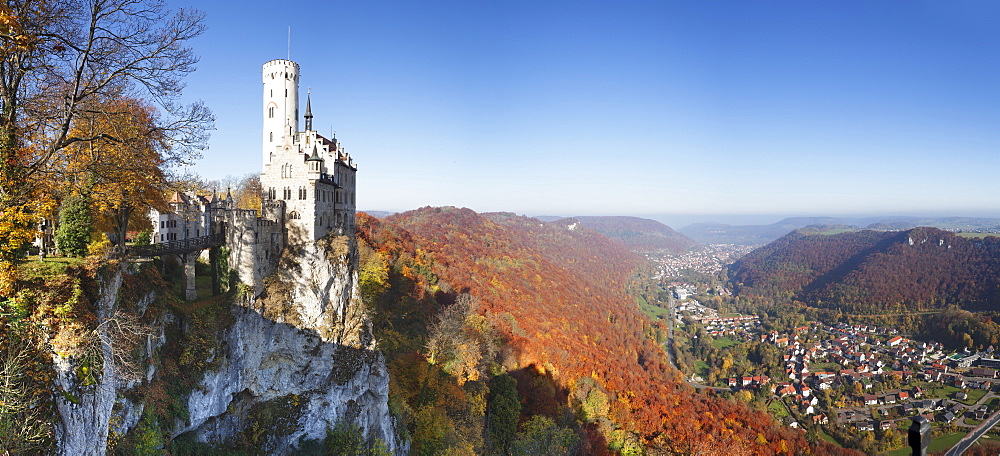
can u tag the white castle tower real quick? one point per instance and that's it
(311, 176)
(281, 103)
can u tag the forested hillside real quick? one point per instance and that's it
(875, 271)
(507, 334)
(640, 234)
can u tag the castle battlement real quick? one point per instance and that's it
(308, 182)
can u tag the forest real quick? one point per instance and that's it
(874, 272)
(468, 305)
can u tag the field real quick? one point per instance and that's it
(654, 312)
(976, 235)
(941, 443)
(724, 342)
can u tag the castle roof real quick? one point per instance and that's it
(315, 155)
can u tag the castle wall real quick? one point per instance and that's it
(254, 243)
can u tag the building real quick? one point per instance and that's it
(311, 174)
(308, 186)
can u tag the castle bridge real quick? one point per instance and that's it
(187, 250)
(179, 246)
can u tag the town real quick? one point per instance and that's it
(846, 378)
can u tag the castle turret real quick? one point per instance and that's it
(309, 112)
(281, 104)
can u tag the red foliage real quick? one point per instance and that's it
(559, 295)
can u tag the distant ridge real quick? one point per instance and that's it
(719, 233)
(378, 214)
(875, 271)
(639, 234)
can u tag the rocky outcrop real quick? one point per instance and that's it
(297, 359)
(305, 341)
(85, 411)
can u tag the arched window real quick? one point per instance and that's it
(294, 215)
(270, 112)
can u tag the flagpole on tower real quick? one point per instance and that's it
(289, 42)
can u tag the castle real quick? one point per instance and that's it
(308, 184)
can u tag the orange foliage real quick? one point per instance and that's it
(559, 296)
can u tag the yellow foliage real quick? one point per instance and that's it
(8, 277)
(100, 245)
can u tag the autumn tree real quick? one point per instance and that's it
(58, 60)
(120, 168)
(25, 426)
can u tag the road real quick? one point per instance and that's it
(971, 437)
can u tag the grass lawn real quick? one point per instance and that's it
(944, 442)
(50, 267)
(824, 367)
(974, 396)
(701, 368)
(827, 437)
(724, 342)
(653, 312)
(778, 410)
(942, 392)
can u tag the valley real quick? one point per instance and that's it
(856, 379)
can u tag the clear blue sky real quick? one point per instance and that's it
(636, 108)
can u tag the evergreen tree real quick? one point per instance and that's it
(504, 411)
(75, 224)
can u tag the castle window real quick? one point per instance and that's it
(272, 136)
(294, 215)
(270, 112)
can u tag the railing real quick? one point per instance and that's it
(177, 246)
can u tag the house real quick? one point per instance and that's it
(786, 389)
(984, 372)
(885, 425)
(961, 395)
(894, 341)
(866, 426)
(821, 419)
(948, 417)
(870, 399)
(904, 396)
(889, 399)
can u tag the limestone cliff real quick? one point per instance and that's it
(307, 335)
(288, 364)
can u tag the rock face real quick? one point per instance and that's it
(306, 340)
(302, 350)
(84, 416)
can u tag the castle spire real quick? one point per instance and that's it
(309, 113)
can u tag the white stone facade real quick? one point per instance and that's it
(308, 182)
(188, 217)
(313, 175)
